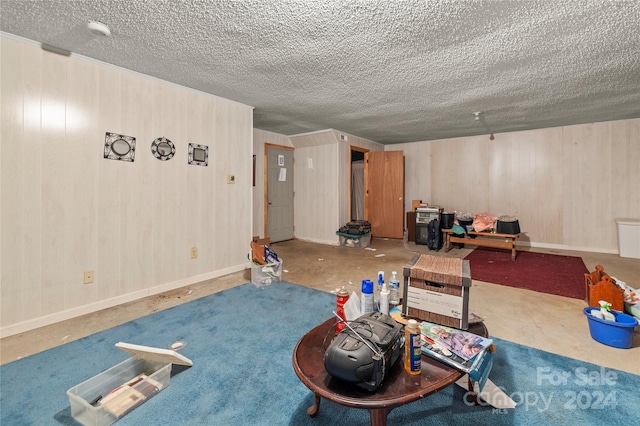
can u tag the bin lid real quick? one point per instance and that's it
(627, 221)
(167, 356)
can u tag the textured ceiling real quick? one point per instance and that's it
(390, 71)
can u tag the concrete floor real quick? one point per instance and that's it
(551, 323)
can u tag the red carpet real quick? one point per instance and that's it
(546, 273)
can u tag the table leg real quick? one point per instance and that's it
(313, 410)
(378, 416)
(513, 251)
(472, 394)
(447, 242)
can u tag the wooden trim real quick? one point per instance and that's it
(254, 169)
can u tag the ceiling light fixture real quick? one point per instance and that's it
(98, 28)
(477, 114)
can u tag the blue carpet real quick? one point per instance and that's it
(241, 341)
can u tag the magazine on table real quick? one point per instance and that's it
(464, 351)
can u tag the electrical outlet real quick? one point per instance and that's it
(194, 252)
(231, 179)
(88, 277)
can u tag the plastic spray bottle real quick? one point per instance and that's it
(394, 289)
(384, 299)
(366, 302)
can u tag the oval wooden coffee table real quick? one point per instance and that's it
(398, 387)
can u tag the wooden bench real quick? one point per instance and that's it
(485, 239)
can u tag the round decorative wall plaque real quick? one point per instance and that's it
(163, 149)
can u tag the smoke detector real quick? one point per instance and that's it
(98, 28)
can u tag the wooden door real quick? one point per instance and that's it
(384, 193)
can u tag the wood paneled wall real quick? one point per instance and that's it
(322, 169)
(316, 186)
(566, 185)
(65, 209)
(417, 169)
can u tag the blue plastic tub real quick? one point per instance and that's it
(618, 334)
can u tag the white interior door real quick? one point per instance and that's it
(279, 193)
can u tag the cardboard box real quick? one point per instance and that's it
(415, 204)
(262, 241)
(105, 398)
(265, 275)
(353, 240)
(436, 289)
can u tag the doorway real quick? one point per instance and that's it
(357, 182)
(278, 193)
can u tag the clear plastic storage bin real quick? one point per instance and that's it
(265, 275)
(352, 240)
(108, 396)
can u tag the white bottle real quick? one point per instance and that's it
(384, 299)
(394, 289)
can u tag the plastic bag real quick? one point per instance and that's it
(483, 222)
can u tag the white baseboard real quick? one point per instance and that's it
(518, 244)
(45, 320)
(313, 240)
(566, 247)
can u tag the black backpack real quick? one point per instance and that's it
(434, 235)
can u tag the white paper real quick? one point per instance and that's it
(491, 394)
(282, 177)
(352, 307)
(432, 301)
(309, 163)
(280, 160)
